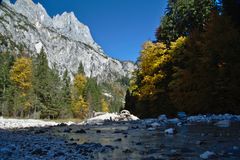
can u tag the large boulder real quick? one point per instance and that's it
(100, 119)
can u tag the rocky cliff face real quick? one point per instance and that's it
(66, 41)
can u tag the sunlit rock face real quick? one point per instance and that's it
(66, 40)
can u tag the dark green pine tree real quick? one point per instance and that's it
(182, 17)
(81, 69)
(93, 94)
(66, 95)
(47, 87)
(6, 62)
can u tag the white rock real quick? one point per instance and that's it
(235, 148)
(181, 115)
(155, 124)
(69, 123)
(162, 117)
(173, 120)
(207, 155)
(110, 116)
(170, 131)
(223, 123)
(151, 129)
(179, 124)
(134, 118)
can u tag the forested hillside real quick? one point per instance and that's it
(30, 88)
(51, 67)
(194, 64)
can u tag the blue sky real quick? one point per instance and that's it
(120, 27)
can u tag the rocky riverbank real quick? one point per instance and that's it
(28, 145)
(195, 137)
(8, 123)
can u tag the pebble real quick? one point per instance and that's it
(59, 154)
(162, 117)
(62, 124)
(39, 152)
(173, 151)
(179, 124)
(127, 151)
(82, 131)
(207, 155)
(6, 151)
(139, 143)
(67, 130)
(182, 115)
(235, 147)
(200, 142)
(40, 131)
(155, 125)
(109, 146)
(118, 131)
(118, 140)
(170, 131)
(203, 134)
(135, 127)
(151, 129)
(98, 131)
(223, 123)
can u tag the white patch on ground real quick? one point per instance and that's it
(24, 123)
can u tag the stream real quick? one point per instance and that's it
(135, 141)
(125, 140)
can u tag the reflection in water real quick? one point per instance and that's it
(131, 142)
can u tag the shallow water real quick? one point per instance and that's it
(135, 141)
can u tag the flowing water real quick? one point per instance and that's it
(136, 141)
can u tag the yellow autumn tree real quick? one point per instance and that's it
(80, 107)
(105, 106)
(21, 77)
(149, 86)
(153, 60)
(79, 82)
(21, 73)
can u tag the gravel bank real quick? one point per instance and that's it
(6, 123)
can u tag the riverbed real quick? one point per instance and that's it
(142, 139)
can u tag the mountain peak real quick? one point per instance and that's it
(35, 12)
(24, 1)
(7, 1)
(66, 41)
(70, 26)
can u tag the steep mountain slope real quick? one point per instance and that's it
(66, 41)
